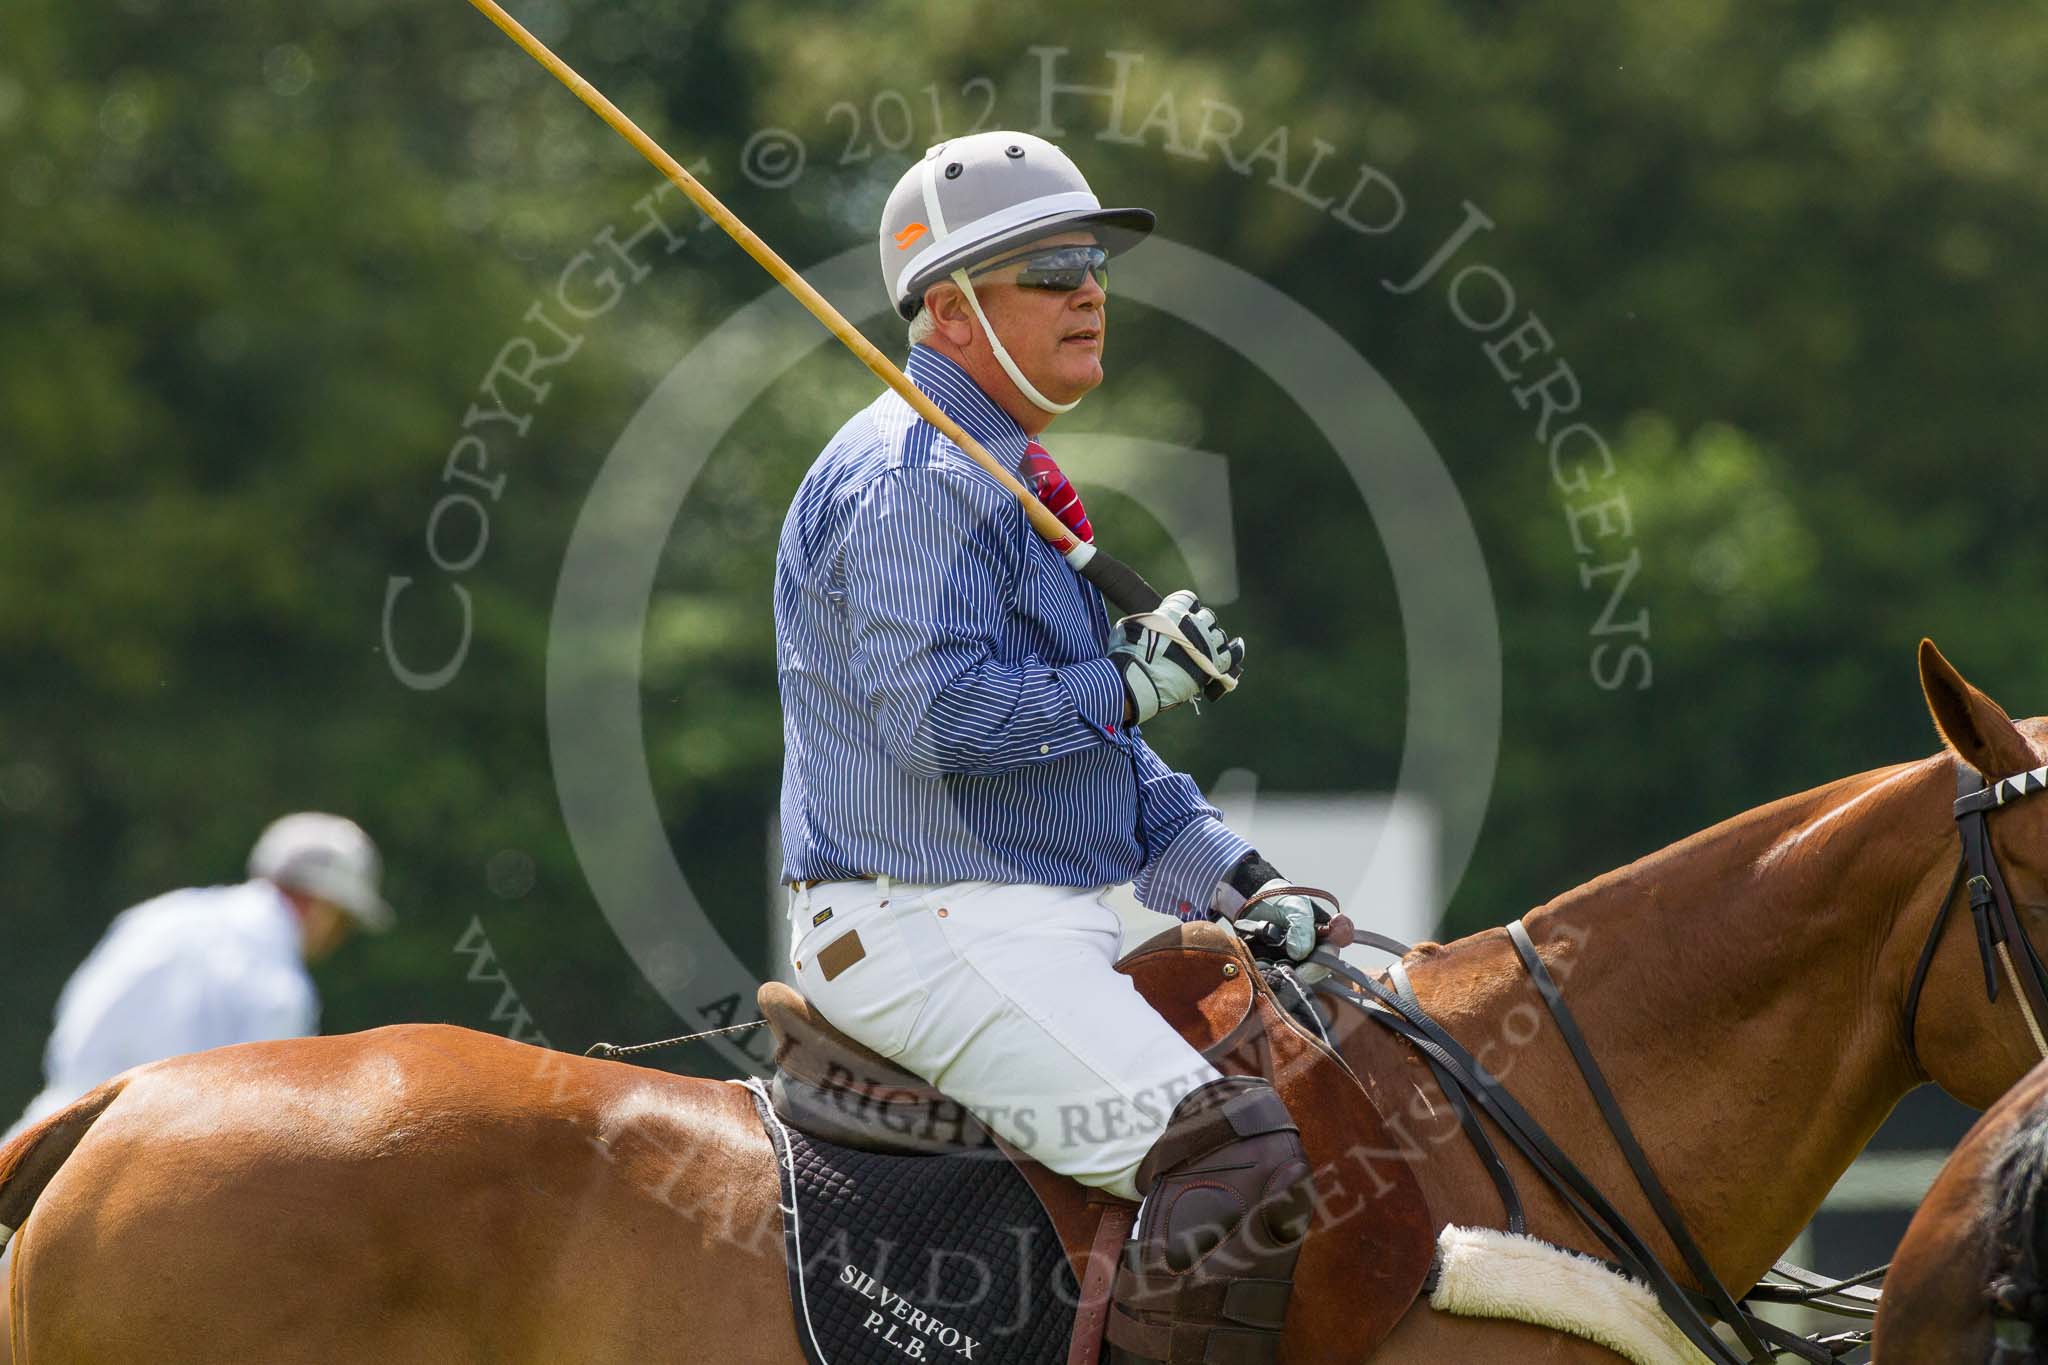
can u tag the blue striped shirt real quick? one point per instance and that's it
(949, 712)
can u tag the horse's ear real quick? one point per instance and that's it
(1972, 724)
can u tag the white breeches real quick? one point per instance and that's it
(1007, 999)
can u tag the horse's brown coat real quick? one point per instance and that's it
(1936, 1307)
(415, 1194)
(427, 1194)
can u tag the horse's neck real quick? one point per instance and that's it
(1740, 993)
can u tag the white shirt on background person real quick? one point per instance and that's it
(189, 970)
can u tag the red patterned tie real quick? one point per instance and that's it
(1044, 479)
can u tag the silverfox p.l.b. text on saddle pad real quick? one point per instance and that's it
(917, 1258)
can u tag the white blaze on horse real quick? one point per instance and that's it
(425, 1193)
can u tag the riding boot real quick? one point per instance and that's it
(1207, 1278)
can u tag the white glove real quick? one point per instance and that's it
(1175, 654)
(1295, 915)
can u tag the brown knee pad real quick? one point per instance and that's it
(1207, 1279)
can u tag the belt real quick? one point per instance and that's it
(824, 881)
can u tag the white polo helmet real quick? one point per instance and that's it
(328, 857)
(971, 198)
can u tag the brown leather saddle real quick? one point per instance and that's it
(1368, 1251)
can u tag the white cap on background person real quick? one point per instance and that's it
(327, 857)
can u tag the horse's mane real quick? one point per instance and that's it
(2019, 1227)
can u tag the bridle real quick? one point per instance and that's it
(1468, 1086)
(1991, 907)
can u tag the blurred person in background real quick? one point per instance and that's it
(209, 966)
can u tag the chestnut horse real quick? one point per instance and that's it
(426, 1194)
(1970, 1280)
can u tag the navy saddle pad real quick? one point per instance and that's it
(918, 1258)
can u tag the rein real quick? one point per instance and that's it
(1466, 1082)
(1458, 1070)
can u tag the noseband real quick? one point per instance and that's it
(1991, 906)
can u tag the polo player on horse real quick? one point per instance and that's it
(965, 775)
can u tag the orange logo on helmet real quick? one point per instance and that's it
(909, 235)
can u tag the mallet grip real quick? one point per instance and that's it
(1113, 578)
(1117, 581)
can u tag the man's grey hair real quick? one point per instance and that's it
(924, 324)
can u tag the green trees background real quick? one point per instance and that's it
(257, 263)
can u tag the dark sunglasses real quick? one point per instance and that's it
(1060, 269)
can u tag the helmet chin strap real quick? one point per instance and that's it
(995, 343)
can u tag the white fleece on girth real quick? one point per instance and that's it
(1487, 1274)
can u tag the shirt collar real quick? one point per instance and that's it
(274, 917)
(961, 399)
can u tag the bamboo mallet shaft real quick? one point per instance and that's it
(1118, 582)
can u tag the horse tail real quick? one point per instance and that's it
(32, 1159)
(2019, 1283)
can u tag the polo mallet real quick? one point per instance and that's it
(1116, 580)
